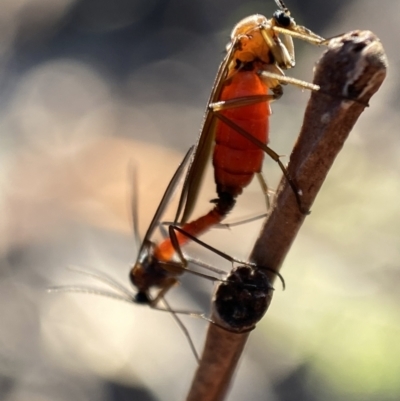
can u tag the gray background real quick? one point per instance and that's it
(88, 87)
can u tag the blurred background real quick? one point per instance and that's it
(90, 87)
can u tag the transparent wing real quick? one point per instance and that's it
(203, 147)
(166, 199)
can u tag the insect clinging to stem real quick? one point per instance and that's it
(237, 118)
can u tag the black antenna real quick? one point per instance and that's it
(134, 205)
(123, 294)
(282, 6)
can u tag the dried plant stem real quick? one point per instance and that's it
(349, 73)
(353, 67)
(222, 351)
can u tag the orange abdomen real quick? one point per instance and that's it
(235, 158)
(165, 251)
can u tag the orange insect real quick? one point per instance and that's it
(155, 266)
(153, 271)
(237, 119)
(238, 110)
(149, 271)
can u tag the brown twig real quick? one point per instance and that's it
(349, 73)
(222, 351)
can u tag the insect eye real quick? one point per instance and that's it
(142, 298)
(282, 19)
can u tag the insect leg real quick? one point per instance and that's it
(271, 153)
(302, 33)
(224, 255)
(264, 188)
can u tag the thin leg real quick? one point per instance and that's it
(302, 33)
(184, 259)
(264, 188)
(134, 204)
(243, 101)
(271, 153)
(224, 255)
(177, 268)
(169, 283)
(270, 75)
(163, 230)
(183, 328)
(242, 221)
